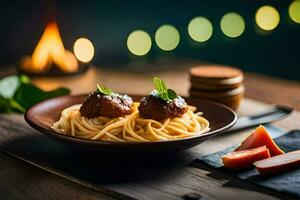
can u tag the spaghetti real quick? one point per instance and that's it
(131, 128)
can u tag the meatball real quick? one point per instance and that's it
(152, 107)
(98, 104)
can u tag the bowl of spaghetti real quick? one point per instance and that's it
(117, 122)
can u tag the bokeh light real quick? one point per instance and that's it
(167, 37)
(83, 50)
(232, 24)
(139, 42)
(200, 29)
(267, 18)
(294, 11)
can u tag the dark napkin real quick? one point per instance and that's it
(284, 182)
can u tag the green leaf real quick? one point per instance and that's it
(28, 95)
(104, 90)
(8, 86)
(24, 79)
(160, 85)
(16, 106)
(163, 96)
(172, 94)
(163, 92)
(4, 105)
(9, 105)
(18, 94)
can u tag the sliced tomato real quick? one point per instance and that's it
(258, 138)
(279, 163)
(245, 158)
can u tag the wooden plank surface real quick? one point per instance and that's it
(210, 183)
(19, 180)
(136, 78)
(262, 88)
(168, 178)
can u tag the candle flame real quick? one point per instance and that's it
(49, 50)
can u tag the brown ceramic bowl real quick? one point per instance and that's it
(44, 114)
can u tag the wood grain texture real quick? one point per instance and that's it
(21, 180)
(137, 79)
(263, 88)
(162, 177)
(273, 90)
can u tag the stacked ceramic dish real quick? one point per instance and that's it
(217, 83)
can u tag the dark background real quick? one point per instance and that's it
(108, 23)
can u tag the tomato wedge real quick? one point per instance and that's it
(258, 138)
(245, 158)
(278, 163)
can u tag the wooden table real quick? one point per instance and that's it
(22, 180)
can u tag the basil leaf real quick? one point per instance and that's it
(24, 79)
(164, 96)
(9, 105)
(28, 95)
(8, 86)
(4, 105)
(18, 94)
(159, 85)
(172, 94)
(104, 90)
(16, 106)
(162, 91)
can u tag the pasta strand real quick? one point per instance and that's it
(131, 128)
